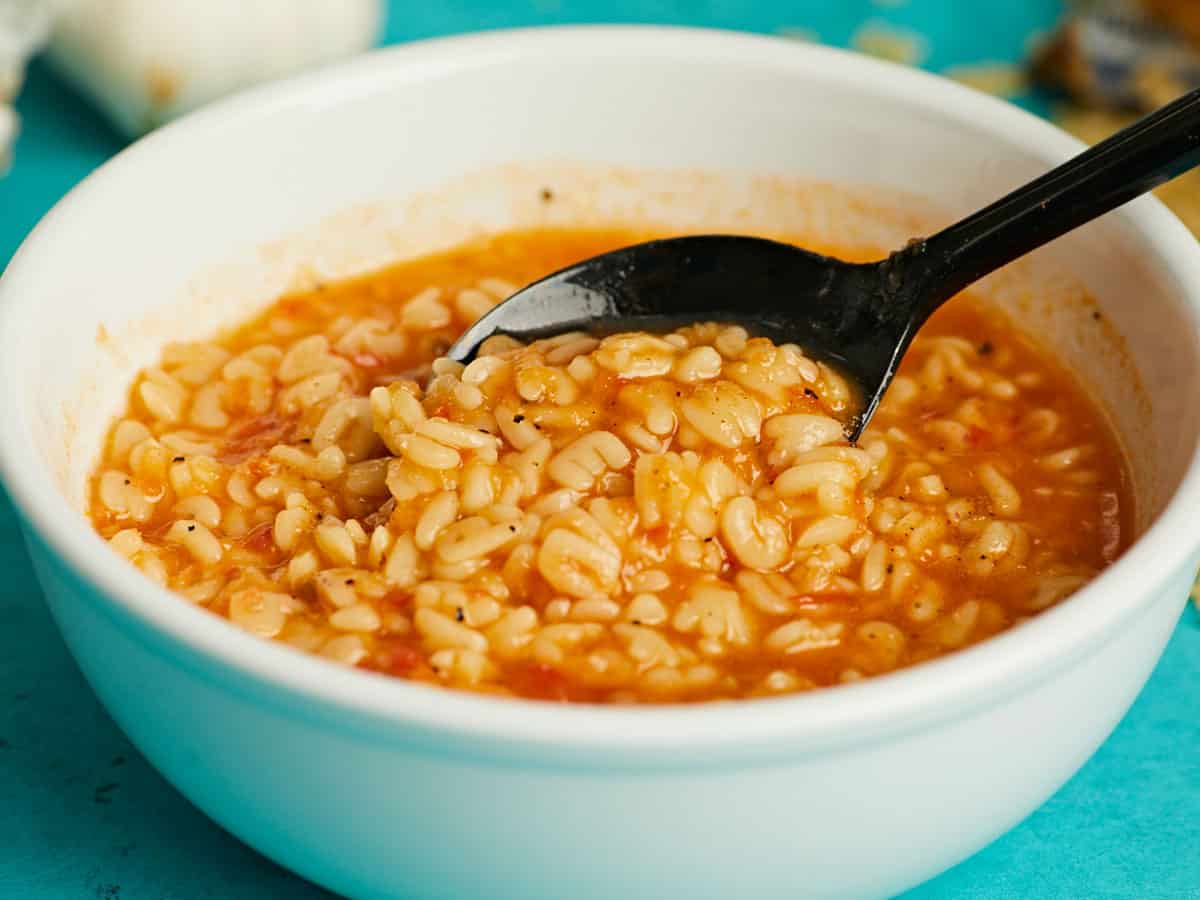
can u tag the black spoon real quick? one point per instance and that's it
(859, 317)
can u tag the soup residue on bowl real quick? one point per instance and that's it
(637, 518)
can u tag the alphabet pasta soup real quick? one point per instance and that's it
(631, 518)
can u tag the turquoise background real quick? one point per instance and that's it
(83, 815)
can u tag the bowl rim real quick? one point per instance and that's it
(971, 678)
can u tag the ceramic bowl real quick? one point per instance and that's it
(379, 788)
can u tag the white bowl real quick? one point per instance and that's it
(377, 787)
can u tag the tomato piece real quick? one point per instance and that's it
(540, 681)
(256, 436)
(659, 535)
(402, 657)
(260, 538)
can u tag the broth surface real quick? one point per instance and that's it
(645, 519)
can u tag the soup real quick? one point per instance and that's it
(638, 518)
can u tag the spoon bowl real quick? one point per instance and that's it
(758, 283)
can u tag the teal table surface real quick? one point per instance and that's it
(83, 815)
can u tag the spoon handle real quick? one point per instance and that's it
(1147, 154)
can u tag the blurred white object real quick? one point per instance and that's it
(145, 62)
(23, 26)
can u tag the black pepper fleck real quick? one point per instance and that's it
(191, 528)
(177, 459)
(518, 419)
(809, 392)
(547, 195)
(458, 614)
(986, 347)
